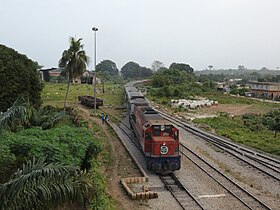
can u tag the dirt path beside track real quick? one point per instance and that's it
(120, 163)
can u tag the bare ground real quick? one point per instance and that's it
(233, 110)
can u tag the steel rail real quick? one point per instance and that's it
(229, 147)
(182, 190)
(213, 136)
(241, 155)
(132, 139)
(178, 183)
(233, 184)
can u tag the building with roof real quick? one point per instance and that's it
(270, 90)
(47, 74)
(53, 74)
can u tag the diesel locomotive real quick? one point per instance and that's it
(158, 138)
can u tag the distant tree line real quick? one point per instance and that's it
(263, 75)
(108, 70)
(177, 81)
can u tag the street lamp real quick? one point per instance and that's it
(94, 33)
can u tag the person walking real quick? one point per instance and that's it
(103, 118)
(106, 118)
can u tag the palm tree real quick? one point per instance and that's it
(22, 114)
(19, 113)
(38, 185)
(74, 61)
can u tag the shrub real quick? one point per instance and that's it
(65, 144)
(22, 76)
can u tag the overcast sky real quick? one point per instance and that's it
(222, 33)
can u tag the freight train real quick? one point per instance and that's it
(158, 138)
(89, 101)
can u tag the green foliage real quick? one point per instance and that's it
(107, 67)
(227, 99)
(224, 114)
(52, 93)
(182, 67)
(7, 162)
(134, 70)
(18, 77)
(184, 90)
(234, 129)
(74, 60)
(252, 121)
(22, 115)
(156, 65)
(38, 185)
(108, 71)
(170, 77)
(47, 117)
(211, 77)
(244, 74)
(177, 81)
(64, 144)
(17, 115)
(235, 90)
(100, 199)
(272, 121)
(209, 84)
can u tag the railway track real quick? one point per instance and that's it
(130, 134)
(170, 181)
(237, 191)
(264, 163)
(183, 196)
(180, 193)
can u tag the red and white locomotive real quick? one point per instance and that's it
(158, 138)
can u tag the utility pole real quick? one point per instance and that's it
(94, 34)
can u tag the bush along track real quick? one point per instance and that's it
(253, 131)
(66, 144)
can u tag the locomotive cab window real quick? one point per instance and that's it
(167, 130)
(156, 130)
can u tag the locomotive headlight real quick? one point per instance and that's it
(163, 150)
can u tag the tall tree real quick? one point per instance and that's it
(18, 77)
(210, 67)
(182, 67)
(107, 66)
(172, 77)
(157, 65)
(241, 67)
(107, 70)
(134, 70)
(74, 61)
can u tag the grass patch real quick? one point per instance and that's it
(105, 160)
(235, 100)
(101, 199)
(54, 93)
(235, 130)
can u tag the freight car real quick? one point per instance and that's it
(158, 138)
(89, 101)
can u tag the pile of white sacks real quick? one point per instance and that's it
(193, 104)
